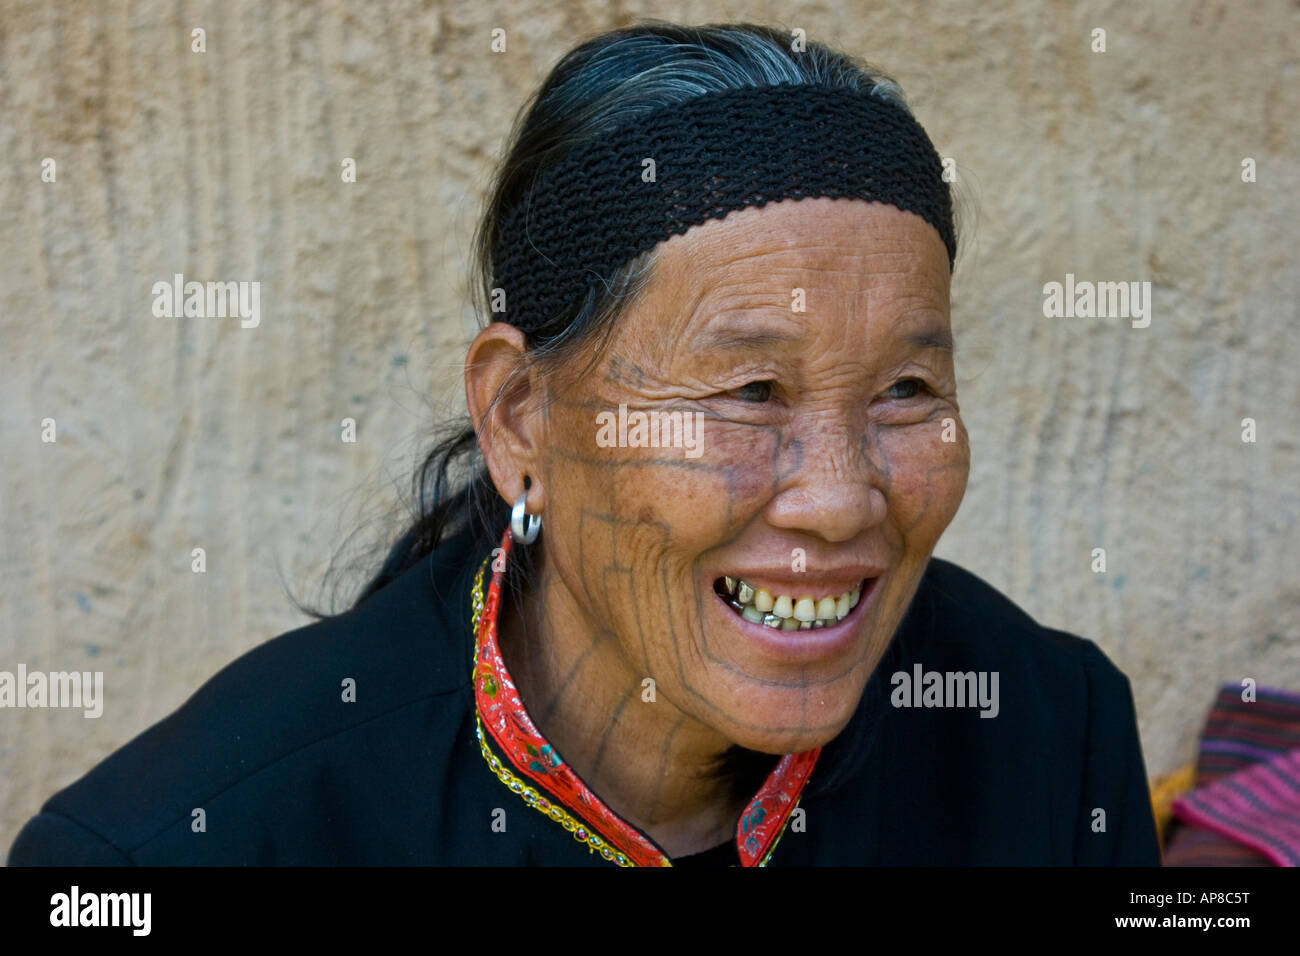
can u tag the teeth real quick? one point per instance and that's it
(786, 613)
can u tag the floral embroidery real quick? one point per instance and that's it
(545, 756)
(500, 709)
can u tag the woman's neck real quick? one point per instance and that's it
(675, 779)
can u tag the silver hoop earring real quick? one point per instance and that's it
(524, 527)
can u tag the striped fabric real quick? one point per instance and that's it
(1190, 845)
(1258, 806)
(1245, 810)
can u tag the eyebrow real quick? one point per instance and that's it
(932, 338)
(743, 340)
(935, 337)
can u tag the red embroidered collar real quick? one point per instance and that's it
(564, 797)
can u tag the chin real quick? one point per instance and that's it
(788, 721)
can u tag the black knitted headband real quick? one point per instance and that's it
(592, 212)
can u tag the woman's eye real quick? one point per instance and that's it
(754, 391)
(913, 386)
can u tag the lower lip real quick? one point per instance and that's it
(801, 646)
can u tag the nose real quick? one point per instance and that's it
(834, 480)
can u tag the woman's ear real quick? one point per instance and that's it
(510, 429)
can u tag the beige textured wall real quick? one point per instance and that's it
(182, 433)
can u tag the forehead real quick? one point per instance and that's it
(848, 256)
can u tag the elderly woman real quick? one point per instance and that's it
(671, 597)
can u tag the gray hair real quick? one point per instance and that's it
(610, 81)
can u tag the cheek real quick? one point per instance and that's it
(927, 477)
(627, 528)
(707, 501)
(661, 505)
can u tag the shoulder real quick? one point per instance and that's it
(995, 738)
(1056, 694)
(956, 610)
(308, 698)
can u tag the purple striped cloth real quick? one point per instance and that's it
(1245, 810)
(1258, 806)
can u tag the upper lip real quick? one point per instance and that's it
(823, 582)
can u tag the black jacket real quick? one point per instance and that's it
(287, 772)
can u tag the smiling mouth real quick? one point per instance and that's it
(788, 612)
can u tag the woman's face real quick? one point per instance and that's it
(810, 341)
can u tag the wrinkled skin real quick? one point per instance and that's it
(823, 431)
